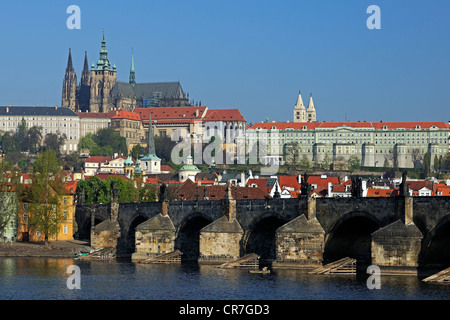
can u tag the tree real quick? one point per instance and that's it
(326, 161)
(416, 156)
(426, 163)
(292, 153)
(354, 163)
(136, 151)
(54, 142)
(44, 196)
(304, 162)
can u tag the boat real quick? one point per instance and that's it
(263, 270)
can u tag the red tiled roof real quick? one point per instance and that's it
(417, 185)
(71, 186)
(443, 188)
(223, 115)
(98, 159)
(289, 181)
(185, 114)
(322, 182)
(122, 114)
(375, 125)
(374, 192)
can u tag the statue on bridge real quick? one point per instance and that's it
(162, 192)
(357, 190)
(403, 188)
(114, 193)
(305, 187)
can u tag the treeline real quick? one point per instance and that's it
(105, 142)
(98, 191)
(29, 140)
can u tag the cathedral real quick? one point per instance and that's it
(99, 90)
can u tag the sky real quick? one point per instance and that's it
(251, 55)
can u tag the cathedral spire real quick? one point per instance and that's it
(311, 103)
(85, 74)
(132, 72)
(69, 62)
(299, 103)
(103, 63)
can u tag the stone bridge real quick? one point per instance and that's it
(399, 234)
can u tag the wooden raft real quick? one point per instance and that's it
(342, 266)
(170, 257)
(442, 276)
(248, 261)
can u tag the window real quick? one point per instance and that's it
(65, 229)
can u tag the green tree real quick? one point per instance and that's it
(292, 153)
(304, 162)
(354, 163)
(44, 197)
(326, 161)
(54, 142)
(136, 151)
(426, 163)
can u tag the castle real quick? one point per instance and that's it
(99, 90)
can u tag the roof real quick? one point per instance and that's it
(122, 114)
(170, 114)
(36, 111)
(106, 115)
(375, 192)
(374, 125)
(191, 191)
(321, 181)
(98, 159)
(168, 90)
(419, 184)
(223, 115)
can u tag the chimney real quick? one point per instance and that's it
(242, 179)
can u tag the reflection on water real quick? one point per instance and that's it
(46, 278)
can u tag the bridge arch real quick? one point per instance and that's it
(187, 235)
(350, 236)
(260, 237)
(435, 251)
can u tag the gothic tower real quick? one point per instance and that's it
(83, 88)
(69, 91)
(103, 79)
(311, 111)
(299, 110)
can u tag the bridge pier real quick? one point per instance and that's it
(155, 236)
(105, 234)
(300, 242)
(395, 248)
(220, 241)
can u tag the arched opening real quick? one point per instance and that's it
(131, 235)
(351, 237)
(261, 239)
(436, 248)
(84, 232)
(188, 238)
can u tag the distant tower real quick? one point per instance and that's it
(83, 89)
(132, 72)
(69, 91)
(103, 79)
(311, 111)
(150, 163)
(299, 110)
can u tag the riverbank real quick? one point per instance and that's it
(60, 249)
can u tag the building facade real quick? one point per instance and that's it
(51, 120)
(375, 144)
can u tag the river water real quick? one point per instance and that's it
(46, 279)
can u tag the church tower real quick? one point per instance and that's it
(299, 110)
(311, 111)
(83, 88)
(103, 79)
(69, 91)
(132, 72)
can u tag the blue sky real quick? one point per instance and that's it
(251, 55)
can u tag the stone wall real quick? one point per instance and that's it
(105, 235)
(396, 246)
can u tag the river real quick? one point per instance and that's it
(46, 279)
